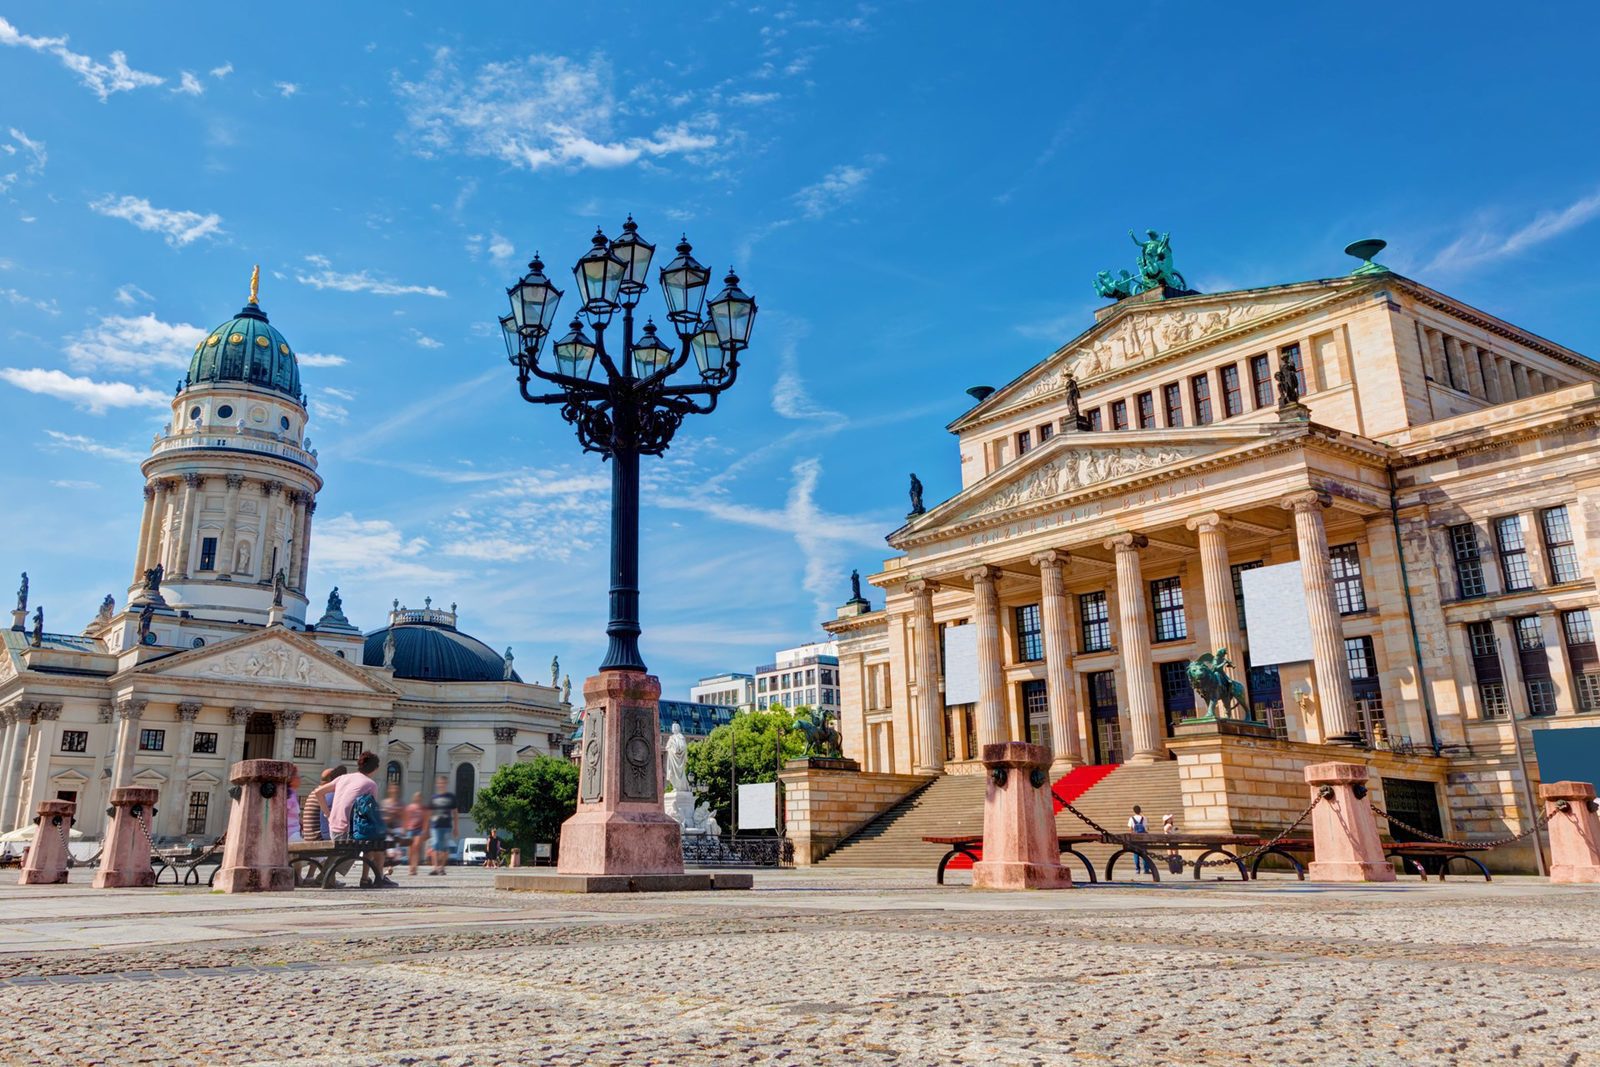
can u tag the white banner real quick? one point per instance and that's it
(1275, 608)
(758, 806)
(960, 665)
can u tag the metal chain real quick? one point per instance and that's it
(1268, 847)
(1539, 823)
(1096, 827)
(65, 850)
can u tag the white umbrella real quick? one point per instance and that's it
(25, 833)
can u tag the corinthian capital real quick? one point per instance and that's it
(234, 481)
(188, 711)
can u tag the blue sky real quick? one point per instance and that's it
(917, 194)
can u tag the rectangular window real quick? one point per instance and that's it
(205, 743)
(1541, 689)
(1261, 380)
(1469, 562)
(1094, 621)
(1344, 563)
(1558, 546)
(1036, 712)
(1232, 392)
(208, 553)
(199, 808)
(811, 677)
(1030, 635)
(1513, 553)
(1046, 432)
(1172, 400)
(1166, 596)
(1238, 587)
(1094, 420)
(152, 740)
(1289, 356)
(1578, 629)
(1177, 695)
(74, 740)
(1485, 651)
(1200, 389)
(349, 751)
(305, 748)
(1119, 414)
(1024, 442)
(1359, 659)
(1146, 404)
(1530, 633)
(1365, 688)
(1541, 697)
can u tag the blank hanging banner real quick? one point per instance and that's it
(1275, 609)
(960, 665)
(758, 806)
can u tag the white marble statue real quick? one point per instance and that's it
(677, 761)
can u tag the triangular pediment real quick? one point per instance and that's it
(1072, 464)
(1140, 331)
(273, 656)
(466, 752)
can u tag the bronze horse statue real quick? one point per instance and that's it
(1209, 677)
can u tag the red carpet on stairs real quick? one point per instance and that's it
(1068, 787)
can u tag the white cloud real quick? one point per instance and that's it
(1484, 244)
(501, 250)
(359, 282)
(755, 99)
(544, 514)
(320, 359)
(286, 89)
(140, 342)
(790, 397)
(130, 294)
(327, 411)
(68, 484)
(547, 111)
(180, 227)
(838, 187)
(424, 341)
(101, 78)
(94, 397)
(189, 85)
(74, 442)
(49, 307)
(222, 71)
(345, 546)
(35, 150)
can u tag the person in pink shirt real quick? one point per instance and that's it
(345, 791)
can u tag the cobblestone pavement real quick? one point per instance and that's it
(836, 968)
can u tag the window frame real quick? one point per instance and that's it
(1348, 588)
(1561, 555)
(74, 742)
(1470, 582)
(1094, 623)
(1145, 409)
(1119, 414)
(192, 810)
(1169, 622)
(1172, 401)
(1024, 441)
(305, 748)
(208, 554)
(1030, 633)
(198, 742)
(1513, 558)
(1232, 390)
(1200, 394)
(157, 735)
(1095, 421)
(1261, 381)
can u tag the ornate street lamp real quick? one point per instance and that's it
(632, 407)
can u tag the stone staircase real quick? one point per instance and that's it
(953, 804)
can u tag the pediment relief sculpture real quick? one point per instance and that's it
(1077, 469)
(272, 662)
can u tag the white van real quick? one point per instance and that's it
(474, 850)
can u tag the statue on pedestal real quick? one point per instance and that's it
(677, 761)
(278, 582)
(555, 671)
(916, 496)
(22, 593)
(1288, 379)
(38, 627)
(566, 690)
(506, 670)
(1209, 677)
(388, 649)
(147, 615)
(152, 580)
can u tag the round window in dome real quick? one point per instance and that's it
(283, 348)
(194, 413)
(258, 414)
(262, 342)
(283, 420)
(235, 338)
(225, 411)
(212, 340)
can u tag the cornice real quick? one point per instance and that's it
(1409, 457)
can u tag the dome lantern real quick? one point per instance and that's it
(246, 349)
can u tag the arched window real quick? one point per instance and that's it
(466, 780)
(395, 775)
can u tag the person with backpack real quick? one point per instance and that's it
(1136, 825)
(354, 814)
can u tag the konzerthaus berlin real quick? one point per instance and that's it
(1437, 479)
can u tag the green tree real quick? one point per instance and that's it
(528, 802)
(755, 737)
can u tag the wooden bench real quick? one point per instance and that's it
(320, 864)
(1402, 850)
(968, 844)
(1164, 845)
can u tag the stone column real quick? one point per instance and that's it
(1508, 383)
(291, 567)
(8, 716)
(504, 738)
(930, 753)
(1332, 672)
(178, 792)
(44, 746)
(158, 526)
(1475, 383)
(129, 712)
(1222, 611)
(1060, 686)
(303, 547)
(264, 526)
(193, 483)
(992, 726)
(1147, 728)
(240, 717)
(108, 755)
(336, 726)
(230, 524)
(140, 550)
(22, 713)
(1491, 376)
(288, 722)
(430, 756)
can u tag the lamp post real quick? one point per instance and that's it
(632, 408)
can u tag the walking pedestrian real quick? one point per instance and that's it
(1136, 825)
(491, 849)
(445, 823)
(416, 822)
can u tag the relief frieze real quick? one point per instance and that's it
(1075, 470)
(1098, 509)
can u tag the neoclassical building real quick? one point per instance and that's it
(1437, 479)
(211, 659)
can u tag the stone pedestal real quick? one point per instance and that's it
(1574, 832)
(619, 828)
(1343, 829)
(125, 855)
(47, 856)
(679, 806)
(255, 858)
(1019, 826)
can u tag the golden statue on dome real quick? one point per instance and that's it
(255, 283)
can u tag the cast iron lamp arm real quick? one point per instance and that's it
(669, 370)
(605, 357)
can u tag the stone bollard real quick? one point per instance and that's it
(47, 856)
(516, 858)
(1574, 831)
(255, 855)
(125, 853)
(1343, 829)
(1020, 848)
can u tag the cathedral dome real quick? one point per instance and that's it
(429, 648)
(246, 349)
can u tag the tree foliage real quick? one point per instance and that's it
(528, 802)
(753, 736)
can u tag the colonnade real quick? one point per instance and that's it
(1147, 721)
(168, 532)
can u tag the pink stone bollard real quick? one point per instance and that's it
(47, 856)
(255, 855)
(1574, 831)
(125, 852)
(1343, 829)
(1020, 847)
(620, 827)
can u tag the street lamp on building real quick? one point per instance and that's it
(625, 399)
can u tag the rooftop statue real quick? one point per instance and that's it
(147, 615)
(555, 671)
(388, 648)
(38, 627)
(916, 496)
(1154, 266)
(1073, 395)
(507, 660)
(1288, 380)
(335, 602)
(152, 579)
(566, 689)
(22, 593)
(279, 580)
(855, 587)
